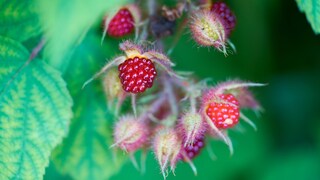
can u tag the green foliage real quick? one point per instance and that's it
(85, 154)
(312, 10)
(35, 106)
(19, 19)
(68, 22)
(35, 109)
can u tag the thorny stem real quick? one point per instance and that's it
(134, 104)
(193, 104)
(34, 53)
(144, 33)
(152, 7)
(119, 103)
(178, 36)
(171, 97)
(155, 106)
(154, 119)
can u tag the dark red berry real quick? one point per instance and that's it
(137, 74)
(191, 151)
(227, 16)
(225, 113)
(161, 27)
(121, 24)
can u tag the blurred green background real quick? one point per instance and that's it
(275, 45)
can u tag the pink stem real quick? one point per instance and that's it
(33, 54)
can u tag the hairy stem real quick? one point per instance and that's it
(155, 106)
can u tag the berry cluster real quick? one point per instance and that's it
(177, 118)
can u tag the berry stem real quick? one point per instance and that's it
(144, 32)
(119, 103)
(154, 119)
(152, 6)
(154, 107)
(134, 104)
(193, 104)
(171, 96)
(178, 36)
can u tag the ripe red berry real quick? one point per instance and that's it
(191, 151)
(121, 24)
(226, 15)
(137, 74)
(224, 114)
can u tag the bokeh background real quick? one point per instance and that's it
(275, 45)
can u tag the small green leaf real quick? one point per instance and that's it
(312, 10)
(35, 109)
(19, 19)
(85, 154)
(66, 24)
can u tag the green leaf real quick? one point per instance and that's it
(35, 109)
(66, 24)
(85, 154)
(312, 10)
(19, 19)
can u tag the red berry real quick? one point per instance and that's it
(226, 15)
(121, 24)
(193, 150)
(137, 74)
(224, 114)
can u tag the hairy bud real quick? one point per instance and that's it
(192, 126)
(167, 146)
(130, 134)
(111, 84)
(208, 30)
